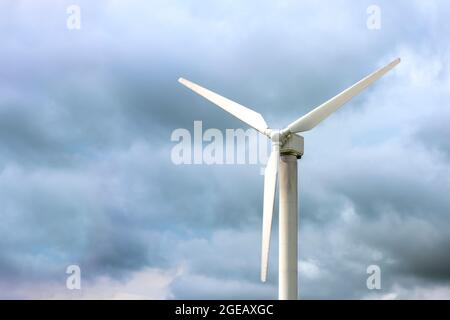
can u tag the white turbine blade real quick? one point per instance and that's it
(313, 118)
(270, 182)
(250, 117)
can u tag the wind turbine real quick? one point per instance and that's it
(287, 147)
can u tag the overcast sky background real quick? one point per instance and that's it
(86, 176)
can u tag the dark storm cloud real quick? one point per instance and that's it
(85, 124)
(434, 133)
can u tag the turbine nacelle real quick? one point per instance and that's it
(293, 145)
(289, 143)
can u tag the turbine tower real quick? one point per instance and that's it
(287, 147)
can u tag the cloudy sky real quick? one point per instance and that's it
(87, 179)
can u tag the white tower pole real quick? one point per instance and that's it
(288, 228)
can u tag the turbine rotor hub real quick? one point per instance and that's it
(275, 136)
